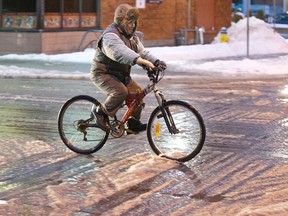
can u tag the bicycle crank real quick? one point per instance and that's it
(116, 129)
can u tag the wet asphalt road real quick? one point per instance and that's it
(242, 169)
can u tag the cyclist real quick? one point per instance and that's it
(117, 50)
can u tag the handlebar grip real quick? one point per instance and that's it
(154, 73)
(155, 70)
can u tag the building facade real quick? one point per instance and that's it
(59, 26)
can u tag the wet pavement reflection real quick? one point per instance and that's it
(241, 170)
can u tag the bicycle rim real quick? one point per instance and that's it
(187, 142)
(77, 128)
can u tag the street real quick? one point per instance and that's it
(241, 170)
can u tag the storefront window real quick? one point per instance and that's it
(52, 6)
(52, 17)
(19, 6)
(71, 6)
(88, 18)
(88, 6)
(57, 14)
(19, 14)
(71, 18)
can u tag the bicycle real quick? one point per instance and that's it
(175, 129)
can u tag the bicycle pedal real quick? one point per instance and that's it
(128, 131)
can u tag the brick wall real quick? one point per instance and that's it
(46, 42)
(223, 10)
(19, 42)
(62, 42)
(160, 22)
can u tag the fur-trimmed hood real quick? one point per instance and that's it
(125, 11)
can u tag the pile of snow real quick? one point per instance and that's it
(262, 38)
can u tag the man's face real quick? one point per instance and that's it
(129, 26)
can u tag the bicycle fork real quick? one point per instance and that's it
(166, 114)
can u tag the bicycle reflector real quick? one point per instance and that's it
(157, 130)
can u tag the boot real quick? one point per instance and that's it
(101, 118)
(135, 126)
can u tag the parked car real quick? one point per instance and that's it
(282, 18)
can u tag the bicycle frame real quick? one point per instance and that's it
(138, 97)
(161, 127)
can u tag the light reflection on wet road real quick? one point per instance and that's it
(242, 169)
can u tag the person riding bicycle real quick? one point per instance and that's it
(118, 49)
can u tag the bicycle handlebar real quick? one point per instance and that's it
(156, 74)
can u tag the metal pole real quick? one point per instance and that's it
(1, 9)
(80, 13)
(62, 13)
(274, 14)
(40, 8)
(247, 14)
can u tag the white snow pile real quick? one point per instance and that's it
(262, 38)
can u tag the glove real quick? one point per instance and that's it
(160, 64)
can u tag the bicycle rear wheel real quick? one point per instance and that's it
(188, 136)
(77, 127)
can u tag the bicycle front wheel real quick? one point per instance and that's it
(185, 136)
(77, 127)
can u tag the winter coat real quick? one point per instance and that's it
(117, 52)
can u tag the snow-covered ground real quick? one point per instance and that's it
(224, 58)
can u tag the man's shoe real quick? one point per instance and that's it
(135, 126)
(101, 118)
